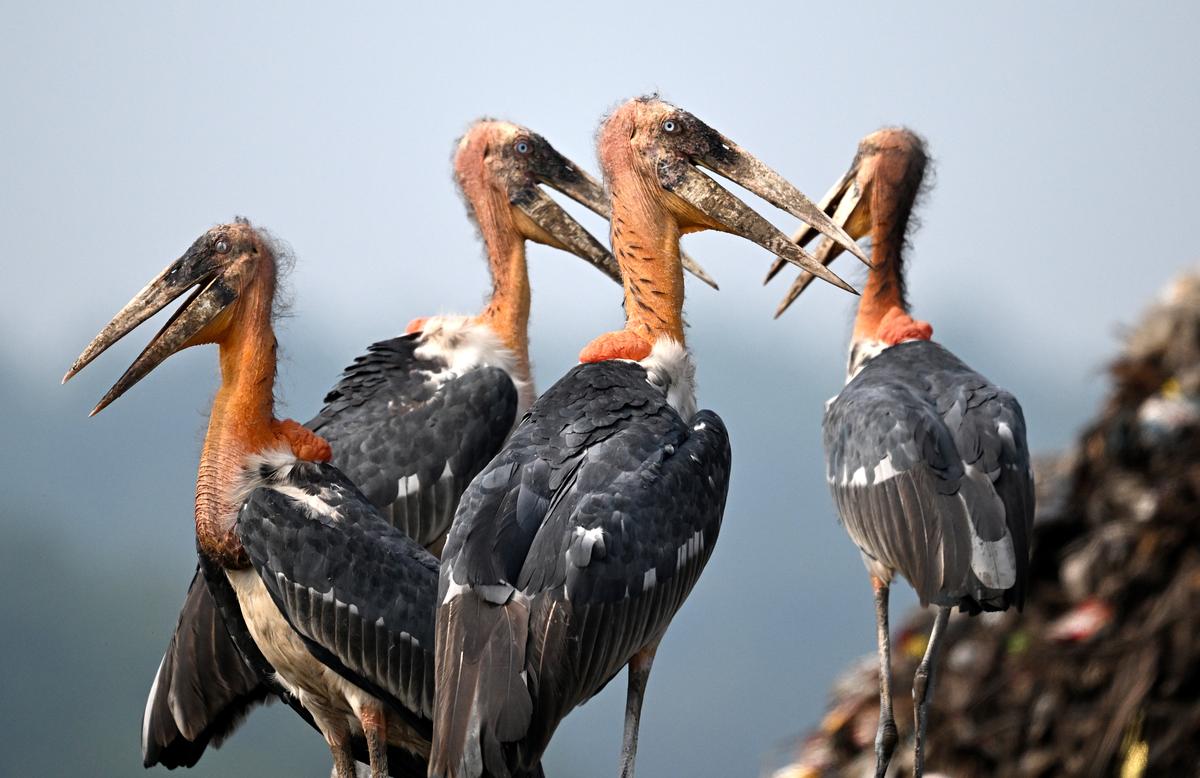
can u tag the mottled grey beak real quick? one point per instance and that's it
(197, 267)
(731, 161)
(737, 218)
(564, 231)
(588, 192)
(842, 201)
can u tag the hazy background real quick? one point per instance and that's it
(1066, 150)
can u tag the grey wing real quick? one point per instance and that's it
(208, 681)
(484, 708)
(359, 591)
(927, 480)
(988, 428)
(482, 621)
(615, 560)
(894, 473)
(411, 435)
(203, 687)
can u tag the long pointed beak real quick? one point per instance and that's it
(588, 192)
(829, 204)
(734, 216)
(205, 304)
(693, 267)
(824, 254)
(746, 170)
(564, 232)
(845, 200)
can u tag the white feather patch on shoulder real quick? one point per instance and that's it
(316, 504)
(271, 469)
(670, 369)
(862, 352)
(263, 468)
(463, 343)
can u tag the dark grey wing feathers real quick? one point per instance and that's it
(595, 519)
(390, 367)
(411, 434)
(203, 688)
(931, 475)
(346, 580)
(211, 640)
(412, 437)
(624, 559)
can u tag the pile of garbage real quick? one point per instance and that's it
(1100, 676)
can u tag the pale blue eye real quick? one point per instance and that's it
(222, 245)
(670, 126)
(523, 147)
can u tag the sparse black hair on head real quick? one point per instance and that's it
(285, 262)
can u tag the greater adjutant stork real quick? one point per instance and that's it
(926, 458)
(577, 544)
(410, 423)
(335, 598)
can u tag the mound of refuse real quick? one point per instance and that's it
(1101, 673)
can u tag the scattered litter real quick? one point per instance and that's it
(1082, 622)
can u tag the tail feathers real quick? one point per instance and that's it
(483, 702)
(997, 572)
(203, 688)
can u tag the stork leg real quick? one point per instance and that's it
(639, 674)
(374, 724)
(343, 754)
(885, 736)
(923, 688)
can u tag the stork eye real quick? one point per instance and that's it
(523, 146)
(670, 126)
(221, 244)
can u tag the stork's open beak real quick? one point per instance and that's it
(844, 202)
(575, 183)
(732, 215)
(559, 229)
(197, 268)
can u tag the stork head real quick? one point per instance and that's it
(230, 270)
(500, 167)
(661, 147)
(875, 196)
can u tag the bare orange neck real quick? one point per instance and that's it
(882, 310)
(880, 295)
(507, 312)
(645, 242)
(243, 421)
(882, 315)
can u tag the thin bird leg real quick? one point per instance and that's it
(343, 755)
(885, 737)
(374, 724)
(923, 688)
(639, 673)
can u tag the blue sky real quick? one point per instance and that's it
(1065, 154)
